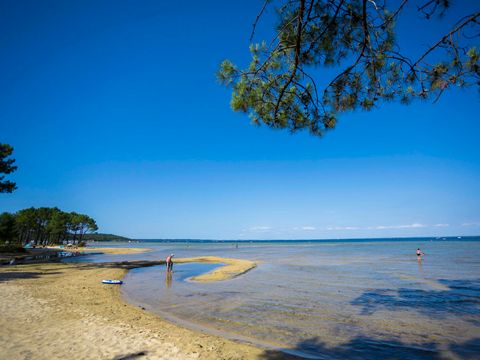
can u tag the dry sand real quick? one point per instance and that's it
(116, 251)
(232, 269)
(58, 311)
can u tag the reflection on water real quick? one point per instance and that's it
(155, 280)
(168, 279)
(420, 267)
(342, 300)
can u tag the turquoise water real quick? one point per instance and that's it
(327, 300)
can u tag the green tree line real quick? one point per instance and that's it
(44, 226)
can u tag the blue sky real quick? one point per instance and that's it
(114, 110)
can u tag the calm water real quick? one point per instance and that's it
(326, 300)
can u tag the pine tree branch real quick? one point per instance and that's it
(297, 56)
(471, 18)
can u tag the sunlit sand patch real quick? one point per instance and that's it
(113, 251)
(231, 269)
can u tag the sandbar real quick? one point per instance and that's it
(232, 269)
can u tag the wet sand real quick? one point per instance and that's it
(57, 310)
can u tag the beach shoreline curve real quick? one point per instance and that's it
(74, 311)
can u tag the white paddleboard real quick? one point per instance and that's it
(112, 282)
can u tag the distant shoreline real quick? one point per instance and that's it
(379, 239)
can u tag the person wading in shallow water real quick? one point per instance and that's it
(169, 262)
(419, 254)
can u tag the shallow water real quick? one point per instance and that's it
(327, 300)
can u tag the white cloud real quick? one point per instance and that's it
(471, 224)
(383, 227)
(393, 227)
(343, 228)
(305, 228)
(411, 226)
(259, 228)
(416, 225)
(386, 227)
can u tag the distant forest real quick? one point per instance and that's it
(104, 237)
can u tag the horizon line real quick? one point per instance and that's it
(319, 239)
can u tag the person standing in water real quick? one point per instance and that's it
(169, 262)
(419, 254)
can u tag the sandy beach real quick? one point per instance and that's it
(113, 251)
(57, 310)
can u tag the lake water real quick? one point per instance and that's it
(326, 300)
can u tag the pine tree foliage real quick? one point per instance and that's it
(44, 226)
(6, 167)
(357, 37)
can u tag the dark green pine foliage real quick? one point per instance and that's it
(6, 167)
(44, 226)
(7, 228)
(357, 38)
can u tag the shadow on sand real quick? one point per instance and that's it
(127, 265)
(131, 356)
(14, 275)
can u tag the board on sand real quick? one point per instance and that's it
(112, 282)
